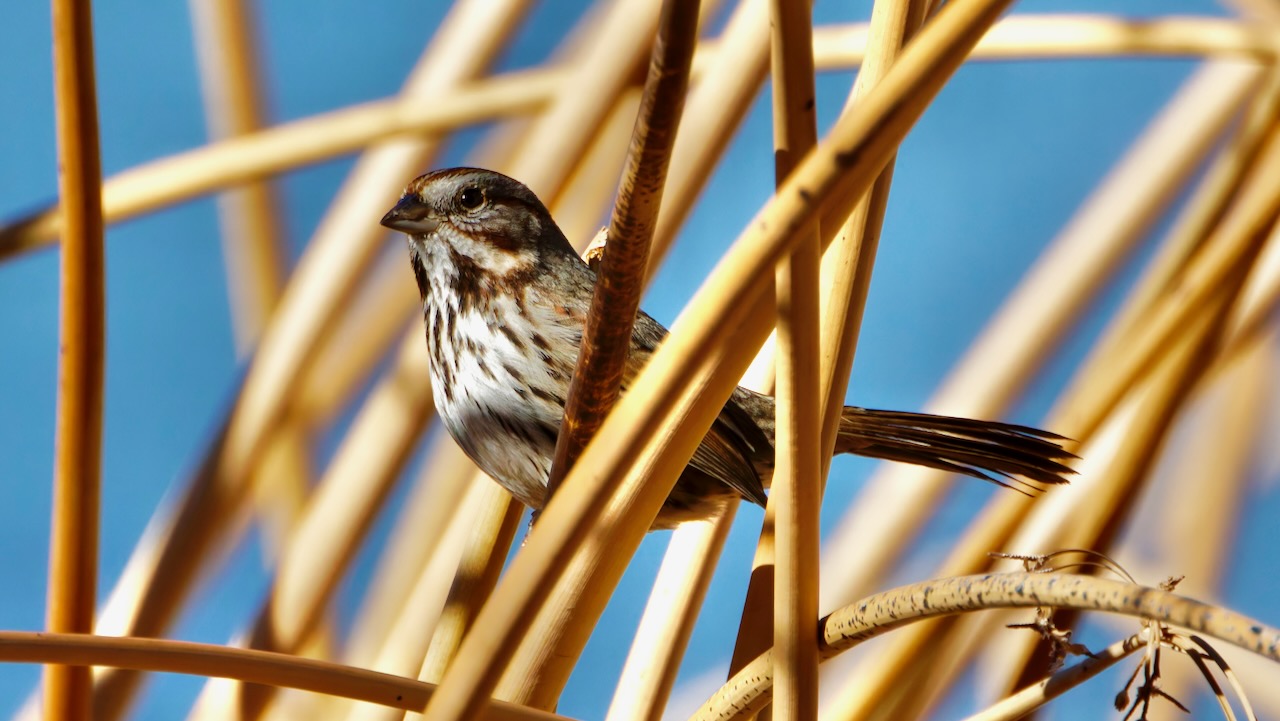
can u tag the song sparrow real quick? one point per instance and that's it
(505, 298)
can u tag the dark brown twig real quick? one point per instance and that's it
(606, 342)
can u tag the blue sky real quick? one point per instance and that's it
(983, 183)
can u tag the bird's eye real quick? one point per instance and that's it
(471, 198)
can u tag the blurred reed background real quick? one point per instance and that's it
(1089, 246)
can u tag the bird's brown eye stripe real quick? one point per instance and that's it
(471, 198)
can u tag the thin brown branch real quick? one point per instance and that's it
(538, 676)
(606, 343)
(73, 552)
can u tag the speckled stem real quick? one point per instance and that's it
(750, 688)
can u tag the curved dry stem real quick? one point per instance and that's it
(750, 688)
(258, 667)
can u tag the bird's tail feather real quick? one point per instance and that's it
(1002, 453)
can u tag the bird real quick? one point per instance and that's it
(504, 304)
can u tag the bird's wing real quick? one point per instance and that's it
(727, 451)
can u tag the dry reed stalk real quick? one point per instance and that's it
(1226, 253)
(844, 164)
(718, 102)
(663, 635)
(1258, 299)
(847, 265)
(1014, 344)
(796, 497)
(403, 651)
(1025, 37)
(368, 331)
(249, 666)
(748, 691)
(589, 190)
(551, 147)
(1195, 229)
(606, 342)
(496, 527)
(77, 462)
(342, 508)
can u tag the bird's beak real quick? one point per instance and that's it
(410, 216)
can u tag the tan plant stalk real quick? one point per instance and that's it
(1076, 35)
(599, 73)
(846, 274)
(438, 490)
(606, 342)
(251, 228)
(496, 527)
(849, 626)
(259, 667)
(223, 164)
(77, 463)
(796, 497)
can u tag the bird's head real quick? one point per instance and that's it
(475, 216)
